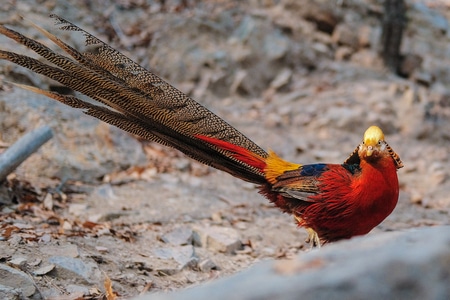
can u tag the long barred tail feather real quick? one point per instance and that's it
(136, 100)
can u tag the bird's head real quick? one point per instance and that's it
(373, 143)
(375, 147)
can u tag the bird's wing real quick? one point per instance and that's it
(300, 184)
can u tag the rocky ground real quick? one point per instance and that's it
(300, 77)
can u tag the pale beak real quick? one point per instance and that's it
(369, 151)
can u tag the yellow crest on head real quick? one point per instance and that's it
(372, 135)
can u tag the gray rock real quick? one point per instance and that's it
(343, 53)
(9, 293)
(365, 36)
(79, 290)
(283, 78)
(14, 281)
(18, 261)
(396, 265)
(276, 45)
(207, 265)
(346, 35)
(183, 255)
(76, 269)
(367, 58)
(324, 19)
(410, 63)
(178, 236)
(220, 239)
(44, 270)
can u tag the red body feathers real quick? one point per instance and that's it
(336, 201)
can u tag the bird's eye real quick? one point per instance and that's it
(379, 143)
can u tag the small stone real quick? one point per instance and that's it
(5, 197)
(183, 255)
(220, 239)
(103, 231)
(179, 236)
(409, 64)
(364, 36)
(36, 262)
(207, 265)
(281, 79)
(48, 201)
(216, 217)
(67, 225)
(77, 290)
(366, 58)
(325, 20)
(241, 225)
(44, 270)
(75, 269)
(423, 78)
(416, 197)
(183, 164)
(276, 45)
(163, 253)
(78, 209)
(346, 36)
(101, 249)
(15, 240)
(343, 53)
(45, 238)
(8, 293)
(16, 279)
(18, 261)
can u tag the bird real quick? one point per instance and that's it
(331, 201)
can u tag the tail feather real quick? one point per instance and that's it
(239, 153)
(139, 102)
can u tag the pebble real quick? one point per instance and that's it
(345, 35)
(44, 270)
(101, 249)
(207, 265)
(179, 236)
(7, 293)
(13, 280)
(78, 209)
(17, 261)
(184, 255)
(75, 269)
(220, 239)
(77, 290)
(281, 79)
(343, 53)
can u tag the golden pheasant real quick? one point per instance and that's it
(333, 201)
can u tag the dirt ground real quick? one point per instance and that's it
(96, 203)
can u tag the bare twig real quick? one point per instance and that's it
(22, 149)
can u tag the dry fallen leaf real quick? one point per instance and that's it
(110, 295)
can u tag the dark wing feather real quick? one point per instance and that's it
(300, 184)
